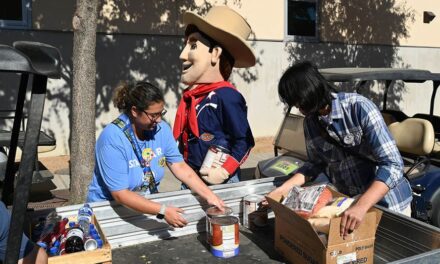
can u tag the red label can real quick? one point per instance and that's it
(225, 235)
(215, 157)
(213, 212)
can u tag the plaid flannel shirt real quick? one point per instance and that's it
(356, 123)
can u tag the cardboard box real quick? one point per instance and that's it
(100, 255)
(298, 242)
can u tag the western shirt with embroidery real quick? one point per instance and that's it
(356, 123)
(222, 121)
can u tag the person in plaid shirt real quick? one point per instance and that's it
(347, 140)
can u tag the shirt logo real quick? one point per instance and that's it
(162, 161)
(147, 154)
(206, 137)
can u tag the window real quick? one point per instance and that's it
(15, 14)
(302, 20)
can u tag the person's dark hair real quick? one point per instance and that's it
(302, 85)
(226, 59)
(138, 94)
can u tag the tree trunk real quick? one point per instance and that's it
(82, 143)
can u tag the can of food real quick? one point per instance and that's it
(225, 236)
(215, 157)
(253, 214)
(213, 212)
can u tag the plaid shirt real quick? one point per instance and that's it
(356, 123)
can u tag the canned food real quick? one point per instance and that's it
(253, 214)
(225, 236)
(215, 157)
(213, 212)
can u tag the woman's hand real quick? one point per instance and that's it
(173, 216)
(216, 201)
(187, 175)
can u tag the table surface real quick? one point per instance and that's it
(255, 247)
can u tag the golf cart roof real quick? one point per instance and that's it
(371, 74)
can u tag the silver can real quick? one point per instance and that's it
(254, 215)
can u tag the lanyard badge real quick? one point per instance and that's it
(144, 156)
(148, 180)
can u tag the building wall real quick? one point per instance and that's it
(387, 22)
(152, 48)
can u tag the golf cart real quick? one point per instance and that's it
(417, 136)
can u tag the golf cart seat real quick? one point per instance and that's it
(415, 137)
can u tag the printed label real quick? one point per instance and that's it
(75, 232)
(284, 167)
(303, 199)
(347, 258)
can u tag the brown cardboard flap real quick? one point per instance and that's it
(302, 228)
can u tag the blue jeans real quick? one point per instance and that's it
(26, 245)
(233, 179)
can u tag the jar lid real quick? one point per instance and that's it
(213, 211)
(254, 198)
(225, 220)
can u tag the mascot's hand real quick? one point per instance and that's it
(216, 176)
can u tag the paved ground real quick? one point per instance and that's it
(55, 193)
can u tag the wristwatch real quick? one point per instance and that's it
(161, 214)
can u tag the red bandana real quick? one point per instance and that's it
(186, 112)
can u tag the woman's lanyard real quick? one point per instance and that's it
(148, 181)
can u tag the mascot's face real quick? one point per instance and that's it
(197, 61)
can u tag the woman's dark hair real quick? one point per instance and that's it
(226, 59)
(303, 86)
(138, 94)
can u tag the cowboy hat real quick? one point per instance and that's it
(229, 29)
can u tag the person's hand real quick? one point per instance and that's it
(216, 176)
(351, 219)
(173, 216)
(216, 201)
(277, 193)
